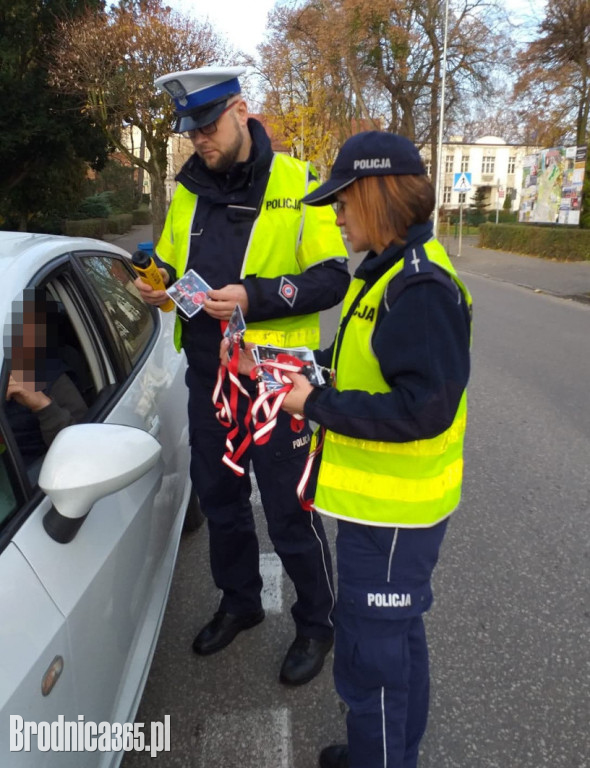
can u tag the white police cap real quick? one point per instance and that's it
(200, 95)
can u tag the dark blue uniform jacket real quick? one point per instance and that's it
(421, 340)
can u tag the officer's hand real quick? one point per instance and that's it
(148, 294)
(221, 303)
(294, 402)
(246, 360)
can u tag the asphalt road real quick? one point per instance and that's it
(510, 628)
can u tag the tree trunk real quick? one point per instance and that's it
(159, 207)
(140, 170)
(585, 206)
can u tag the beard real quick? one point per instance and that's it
(226, 158)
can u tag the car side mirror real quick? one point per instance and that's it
(86, 462)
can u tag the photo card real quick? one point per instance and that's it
(235, 329)
(310, 370)
(189, 292)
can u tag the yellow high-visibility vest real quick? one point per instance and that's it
(287, 238)
(413, 484)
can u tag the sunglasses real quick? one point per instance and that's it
(209, 128)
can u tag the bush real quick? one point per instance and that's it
(47, 224)
(119, 223)
(142, 215)
(85, 228)
(119, 181)
(560, 243)
(473, 218)
(95, 207)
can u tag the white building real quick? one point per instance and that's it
(492, 163)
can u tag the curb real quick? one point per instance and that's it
(583, 298)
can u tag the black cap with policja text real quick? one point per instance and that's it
(371, 153)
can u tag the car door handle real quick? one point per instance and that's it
(154, 429)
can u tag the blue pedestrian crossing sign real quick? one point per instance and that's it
(462, 182)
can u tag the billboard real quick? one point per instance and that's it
(552, 186)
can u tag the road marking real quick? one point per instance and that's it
(271, 570)
(263, 736)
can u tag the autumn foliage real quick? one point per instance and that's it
(113, 59)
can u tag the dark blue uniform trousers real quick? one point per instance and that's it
(380, 651)
(298, 536)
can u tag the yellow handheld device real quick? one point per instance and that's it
(146, 268)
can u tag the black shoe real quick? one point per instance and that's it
(304, 660)
(335, 756)
(222, 629)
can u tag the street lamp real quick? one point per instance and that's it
(440, 120)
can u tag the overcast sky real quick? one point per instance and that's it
(242, 21)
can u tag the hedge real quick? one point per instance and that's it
(559, 243)
(119, 223)
(142, 216)
(504, 217)
(85, 228)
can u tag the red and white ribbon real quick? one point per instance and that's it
(261, 415)
(266, 406)
(315, 451)
(227, 411)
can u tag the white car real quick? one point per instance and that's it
(89, 526)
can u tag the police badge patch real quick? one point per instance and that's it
(288, 291)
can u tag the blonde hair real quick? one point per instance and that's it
(389, 205)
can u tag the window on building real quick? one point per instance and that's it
(448, 163)
(465, 164)
(488, 164)
(511, 163)
(427, 166)
(447, 195)
(462, 197)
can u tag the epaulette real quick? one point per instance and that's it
(416, 262)
(418, 269)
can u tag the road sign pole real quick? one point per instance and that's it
(460, 228)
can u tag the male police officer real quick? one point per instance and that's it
(237, 220)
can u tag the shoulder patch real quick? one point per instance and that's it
(288, 291)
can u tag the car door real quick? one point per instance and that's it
(33, 633)
(111, 581)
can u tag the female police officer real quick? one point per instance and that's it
(393, 423)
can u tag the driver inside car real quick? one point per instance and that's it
(41, 396)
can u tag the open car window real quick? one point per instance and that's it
(89, 330)
(55, 366)
(130, 319)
